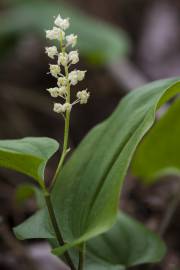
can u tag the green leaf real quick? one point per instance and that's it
(27, 155)
(98, 41)
(158, 154)
(86, 194)
(37, 226)
(127, 244)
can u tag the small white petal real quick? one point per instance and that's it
(71, 40)
(62, 23)
(62, 108)
(55, 70)
(63, 59)
(62, 90)
(58, 108)
(51, 51)
(74, 57)
(62, 81)
(55, 33)
(58, 20)
(53, 92)
(73, 77)
(83, 96)
(81, 74)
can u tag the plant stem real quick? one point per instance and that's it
(81, 257)
(65, 150)
(57, 230)
(66, 127)
(59, 167)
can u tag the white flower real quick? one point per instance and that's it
(51, 51)
(83, 96)
(73, 77)
(81, 74)
(62, 81)
(58, 108)
(54, 92)
(55, 33)
(74, 57)
(62, 23)
(63, 59)
(61, 69)
(61, 108)
(71, 40)
(55, 70)
(62, 90)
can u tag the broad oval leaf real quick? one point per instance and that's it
(97, 40)
(86, 193)
(158, 154)
(127, 243)
(27, 155)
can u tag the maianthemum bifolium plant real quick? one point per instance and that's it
(78, 213)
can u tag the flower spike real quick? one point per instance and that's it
(66, 78)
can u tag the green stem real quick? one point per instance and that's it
(56, 230)
(65, 150)
(58, 170)
(81, 257)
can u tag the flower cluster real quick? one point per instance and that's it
(60, 70)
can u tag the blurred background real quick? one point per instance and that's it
(123, 45)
